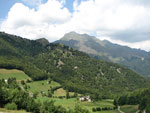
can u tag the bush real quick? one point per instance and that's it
(11, 106)
(98, 109)
(94, 109)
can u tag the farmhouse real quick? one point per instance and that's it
(85, 98)
(6, 80)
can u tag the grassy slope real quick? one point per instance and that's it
(129, 108)
(12, 111)
(62, 92)
(19, 75)
(72, 102)
(38, 86)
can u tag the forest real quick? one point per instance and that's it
(74, 70)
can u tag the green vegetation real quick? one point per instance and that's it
(12, 111)
(13, 73)
(41, 86)
(60, 92)
(74, 70)
(129, 108)
(72, 102)
(139, 97)
(11, 106)
(60, 73)
(135, 59)
(13, 97)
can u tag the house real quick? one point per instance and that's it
(6, 80)
(85, 98)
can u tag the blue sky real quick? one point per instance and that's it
(5, 5)
(124, 22)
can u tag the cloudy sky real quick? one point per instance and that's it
(126, 22)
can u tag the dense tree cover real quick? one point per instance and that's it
(24, 65)
(140, 97)
(102, 109)
(76, 71)
(13, 97)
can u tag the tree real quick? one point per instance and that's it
(75, 94)
(67, 95)
(115, 103)
(49, 94)
(22, 82)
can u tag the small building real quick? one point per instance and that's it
(85, 98)
(6, 80)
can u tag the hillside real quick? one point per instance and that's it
(74, 70)
(135, 59)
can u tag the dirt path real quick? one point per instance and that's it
(120, 110)
(137, 111)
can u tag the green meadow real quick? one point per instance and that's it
(43, 85)
(129, 108)
(3, 110)
(13, 73)
(72, 102)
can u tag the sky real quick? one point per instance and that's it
(125, 22)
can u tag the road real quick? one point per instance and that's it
(120, 110)
(124, 112)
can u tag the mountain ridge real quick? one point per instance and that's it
(135, 59)
(74, 70)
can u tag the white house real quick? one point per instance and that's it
(85, 98)
(6, 80)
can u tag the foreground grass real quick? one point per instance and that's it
(108, 111)
(44, 86)
(12, 111)
(129, 108)
(13, 73)
(72, 102)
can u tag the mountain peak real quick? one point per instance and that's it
(108, 51)
(76, 36)
(43, 41)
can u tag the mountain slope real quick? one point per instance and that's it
(75, 70)
(137, 60)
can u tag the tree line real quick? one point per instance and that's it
(13, 97)
(139, 97)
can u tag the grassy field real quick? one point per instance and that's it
(19, 75)
(129, 108)
(12, 111)
(72, 102)
(43, 85)
(62, 92)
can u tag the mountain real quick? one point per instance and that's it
(135, 59)
(43, 41)
(74, 70)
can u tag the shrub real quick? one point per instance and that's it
(98, 109)
(11, 106)
(94, 109)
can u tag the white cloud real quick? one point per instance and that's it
(118, 19)
(143, 45)
(46, 21)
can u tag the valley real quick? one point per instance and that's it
(42, 77)
(41, 88)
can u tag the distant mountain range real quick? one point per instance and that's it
(135, 59)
